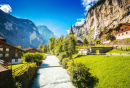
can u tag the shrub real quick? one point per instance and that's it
(80, 76)
(33, 56)
(38, 56)
(28, 57)
(97, 42)
(64, 61)
(109, 37)
(62, 56)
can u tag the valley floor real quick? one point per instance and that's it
(111, 71)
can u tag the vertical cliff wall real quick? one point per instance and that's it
(109, 14)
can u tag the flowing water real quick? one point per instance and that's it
(55, 77)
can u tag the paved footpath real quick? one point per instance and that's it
(2, 69)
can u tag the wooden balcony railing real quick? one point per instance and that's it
(6, 64)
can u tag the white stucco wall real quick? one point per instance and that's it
(18, 62)
(84, 52)
(106, 41)
(124, 35)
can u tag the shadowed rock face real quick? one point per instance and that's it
(109, 14)
(18, 31)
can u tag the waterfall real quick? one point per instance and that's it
(95, 24)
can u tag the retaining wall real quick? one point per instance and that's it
(101, 49)
(6, 79)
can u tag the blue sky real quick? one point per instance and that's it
(57, 15)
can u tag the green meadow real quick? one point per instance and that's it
(118, 51)
(111, 71)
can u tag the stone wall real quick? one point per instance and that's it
(6, 79)
(87, 51)
(101, 49)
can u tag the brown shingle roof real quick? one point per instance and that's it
(27, 49)
(1, 38)
(11, 46)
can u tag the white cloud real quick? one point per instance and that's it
(67, 31)
(6, 8)
(80, 22)
(87, 7)
(88, 3)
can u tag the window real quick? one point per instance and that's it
(1, 55)
(119, 34)
(1, 49)
(16, 60)
(6, 55)
(126, 32)
(122, 34)
(7, 49)
(126, 28)
(122, 29)
(16, 54)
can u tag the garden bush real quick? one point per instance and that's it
(62, 56)
(81, 77)
(64, 62)
(28, 57)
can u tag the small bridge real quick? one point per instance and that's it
(47, 66)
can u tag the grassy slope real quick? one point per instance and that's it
(118, 51)
(112, 71)
(23, 69)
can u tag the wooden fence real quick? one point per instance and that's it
(6, 64)
(114, 54)
(124, 48)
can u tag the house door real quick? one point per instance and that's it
(82, 52)
(97, 51)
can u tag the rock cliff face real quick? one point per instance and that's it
(108, 14)
(45, 33)
(18, 31)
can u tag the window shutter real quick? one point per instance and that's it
(9, 53)
(4, 49)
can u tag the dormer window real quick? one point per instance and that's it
(126, 28)
(122, 29)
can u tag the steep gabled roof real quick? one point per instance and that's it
(28, 49)
(79, 39)
(71, 30)
(10, 45)
(1, 38)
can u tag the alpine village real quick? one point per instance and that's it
(95, 54)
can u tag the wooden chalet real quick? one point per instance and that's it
(79, 41)
(31, 50)
(122, 31)
(10, 53)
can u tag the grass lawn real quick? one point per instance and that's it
(22, 69)
(124, 47)
(112, 71)
(118, 51)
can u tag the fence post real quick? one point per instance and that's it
(11, 66)
(126, 49)
(7, 64)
